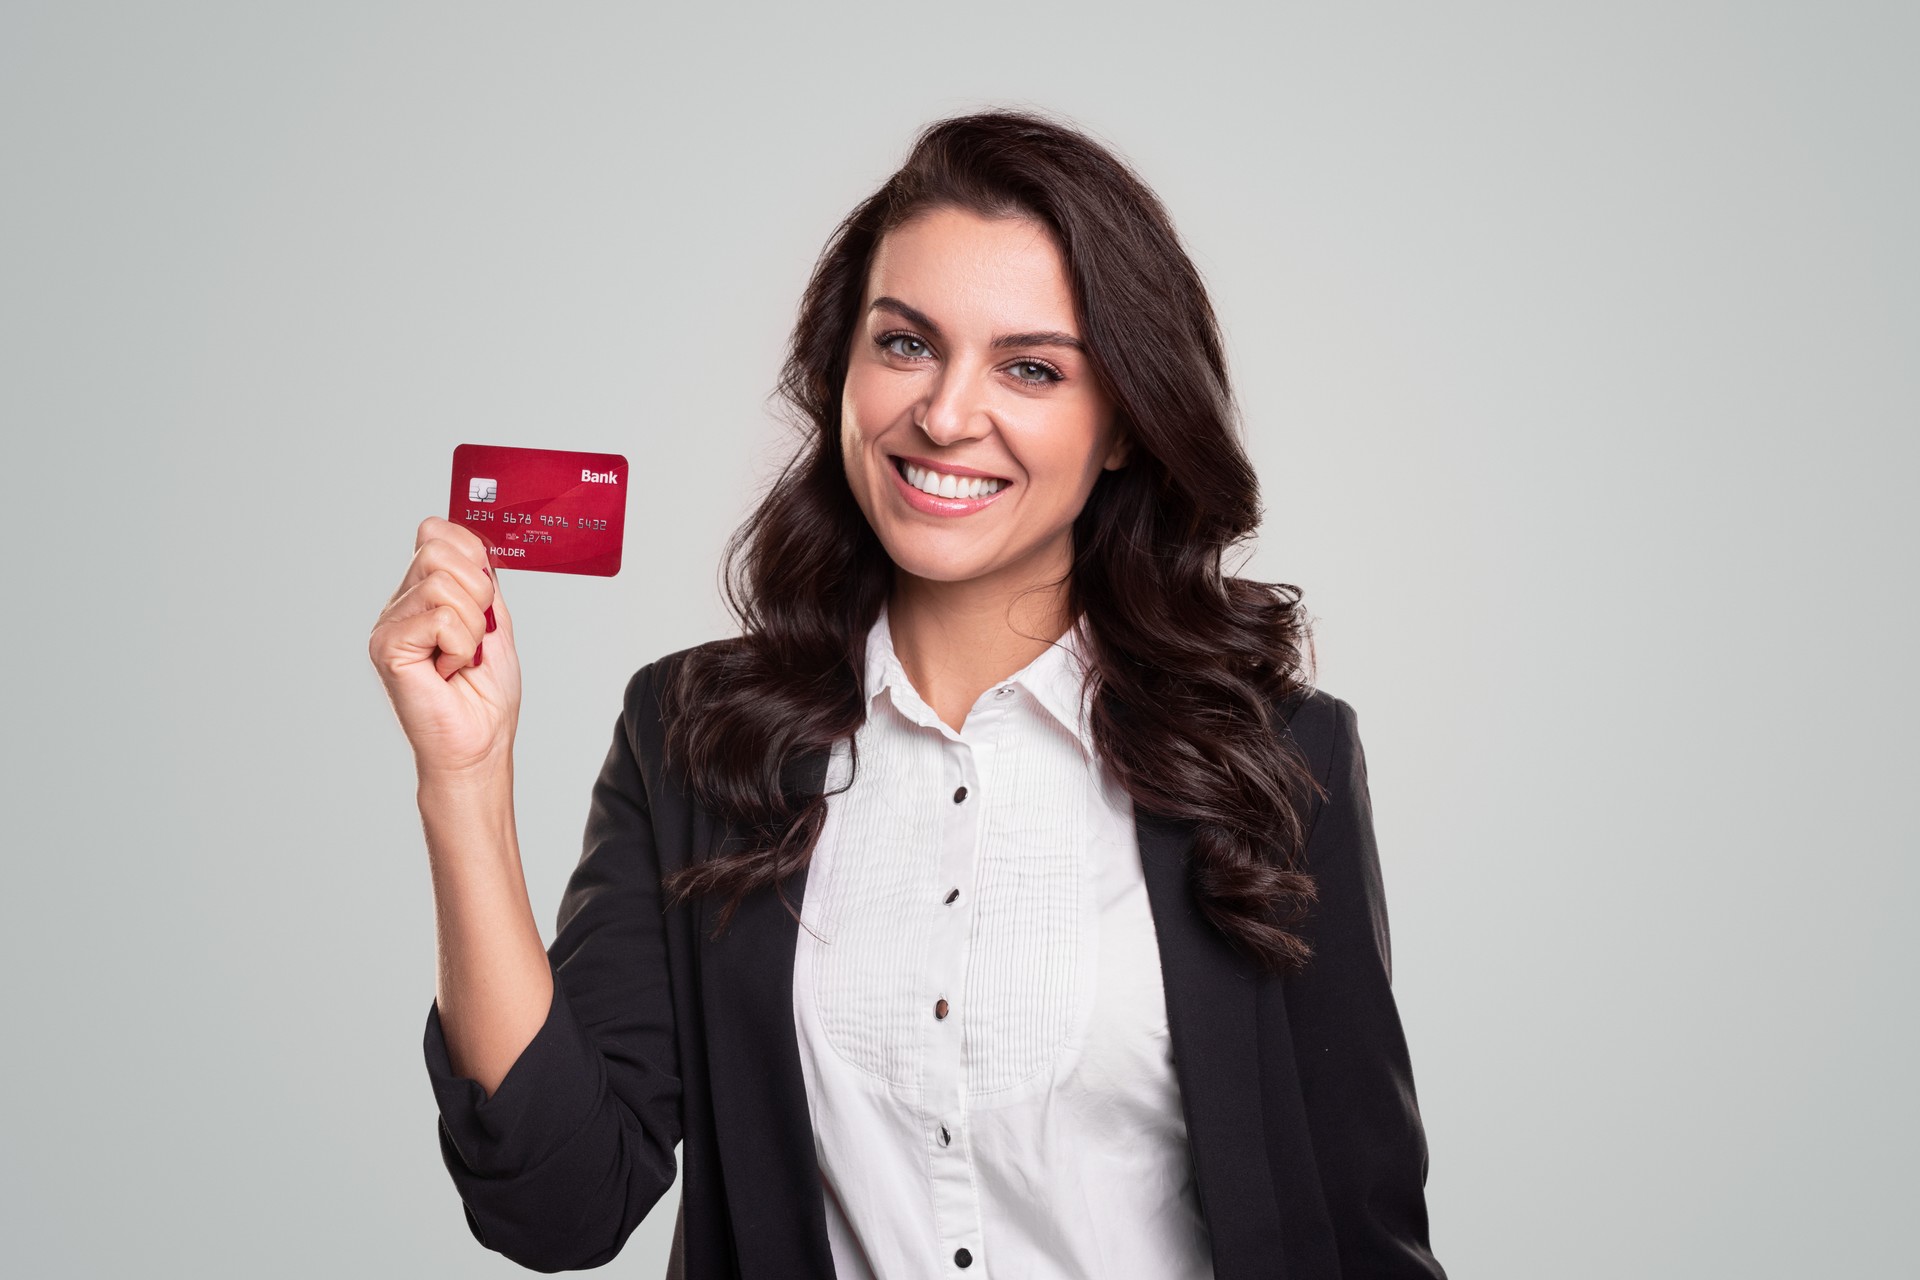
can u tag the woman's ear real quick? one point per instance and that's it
(1118, 454)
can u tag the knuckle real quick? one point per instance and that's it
(454, 626)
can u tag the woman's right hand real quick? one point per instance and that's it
(458, 698)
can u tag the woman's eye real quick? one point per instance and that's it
(1036, 372)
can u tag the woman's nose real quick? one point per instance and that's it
(952, 414)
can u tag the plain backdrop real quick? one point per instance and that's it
(1576, 345)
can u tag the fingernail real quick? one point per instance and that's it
(476, 652)
(489, 617)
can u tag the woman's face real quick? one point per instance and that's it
(964, 363)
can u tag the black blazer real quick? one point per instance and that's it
(1309, 1155)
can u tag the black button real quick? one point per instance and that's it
(940, 1009)
(945, 1137)
(961, 1258)
(953, 895)
(960, 795)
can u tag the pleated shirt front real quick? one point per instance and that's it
(978, 1000)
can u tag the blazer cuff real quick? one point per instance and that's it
(550, 1092)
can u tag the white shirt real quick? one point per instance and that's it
(1037, 1126)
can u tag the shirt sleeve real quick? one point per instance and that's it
(577, 1145)
(1355, 1072)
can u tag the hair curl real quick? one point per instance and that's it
(1189, 664)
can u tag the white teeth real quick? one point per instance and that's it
(946, 486)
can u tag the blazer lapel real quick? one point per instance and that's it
(1211, 1013)
(765, 1131)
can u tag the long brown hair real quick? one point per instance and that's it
(1188, 662)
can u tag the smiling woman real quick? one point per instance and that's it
(1013, 303)
(1004, 894)
(972, 393)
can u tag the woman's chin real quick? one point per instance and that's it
(930, 566)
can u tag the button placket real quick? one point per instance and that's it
(956, 1204)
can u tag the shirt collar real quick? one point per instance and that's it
(1056, 680)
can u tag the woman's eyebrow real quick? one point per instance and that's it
(1039, 338)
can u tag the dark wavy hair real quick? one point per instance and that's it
(1188, 662)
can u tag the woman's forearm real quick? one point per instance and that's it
(494, 986)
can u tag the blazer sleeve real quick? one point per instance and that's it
(1355, 1072)
(576, 1146)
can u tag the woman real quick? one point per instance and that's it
(1003, 901)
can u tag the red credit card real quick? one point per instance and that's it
(550, 509)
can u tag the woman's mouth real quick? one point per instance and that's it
(939, 494)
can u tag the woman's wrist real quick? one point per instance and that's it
(468, 813)
(488, 777)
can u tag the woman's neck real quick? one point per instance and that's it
(956, 640)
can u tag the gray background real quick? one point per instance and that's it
(1576, 345)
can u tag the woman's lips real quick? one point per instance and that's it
(922, 501)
